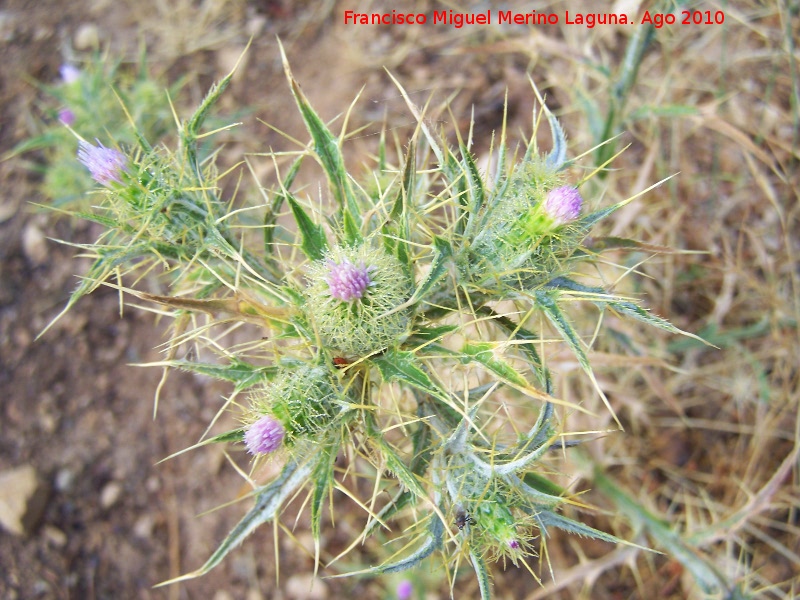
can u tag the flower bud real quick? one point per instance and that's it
(264, 436)
(503, 535)
(404, 590)
(347, 282)
(106, 165)
(529, 233)
(302, 401)
(352, 299)
(69, 73)
(563, 204)
(66, 116)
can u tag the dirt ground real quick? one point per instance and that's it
(116, 522)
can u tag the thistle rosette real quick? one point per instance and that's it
(353, 299)
(298, 403)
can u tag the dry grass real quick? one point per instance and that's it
(711, 440)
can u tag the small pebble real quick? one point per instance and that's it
(34, 244)
(64, 480)
(87, 37)
(110, 495)
(55, 536)
(307, 587)
(152, 484)
(23, 497)
(143, 528)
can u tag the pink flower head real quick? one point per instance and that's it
(346, 281)
(66, 116)
(404, 590)
(264, 436)
(563, 204)
(69, 73)
(513, 544)
(105, 164)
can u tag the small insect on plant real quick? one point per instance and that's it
(340, 362)
(463, 519)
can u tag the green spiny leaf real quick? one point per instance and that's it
(482, 573)
(558, 155)
(443, 253)
(430, 334)
(637, 312)
(322, 479)
(432, 542)
(191, 127)
(528, 349)
(543, 494)
(477, 193)
(618, 243)
(397, 365)
(550, 307)
(399, 216)
(326, 148)
(393, 462)
(566, 284)
(550, 518)
(268, 500)
(243, 374)
(314, 244)
(483, 353)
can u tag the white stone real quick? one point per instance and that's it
(22, 499)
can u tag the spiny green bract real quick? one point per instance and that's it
(367, 324)
(305, 400)
(159, 204)
(520, 246)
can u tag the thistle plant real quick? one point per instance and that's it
(395, 330)
(80, 93)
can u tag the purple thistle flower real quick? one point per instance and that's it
(513, 544)
(264, 436)
(404, 590)
(66, 116)
(105, 164)
(563, 204)
(69, 73)
(346, 281)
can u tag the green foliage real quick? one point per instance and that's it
(405, 365)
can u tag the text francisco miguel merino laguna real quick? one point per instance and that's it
(500, 17)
